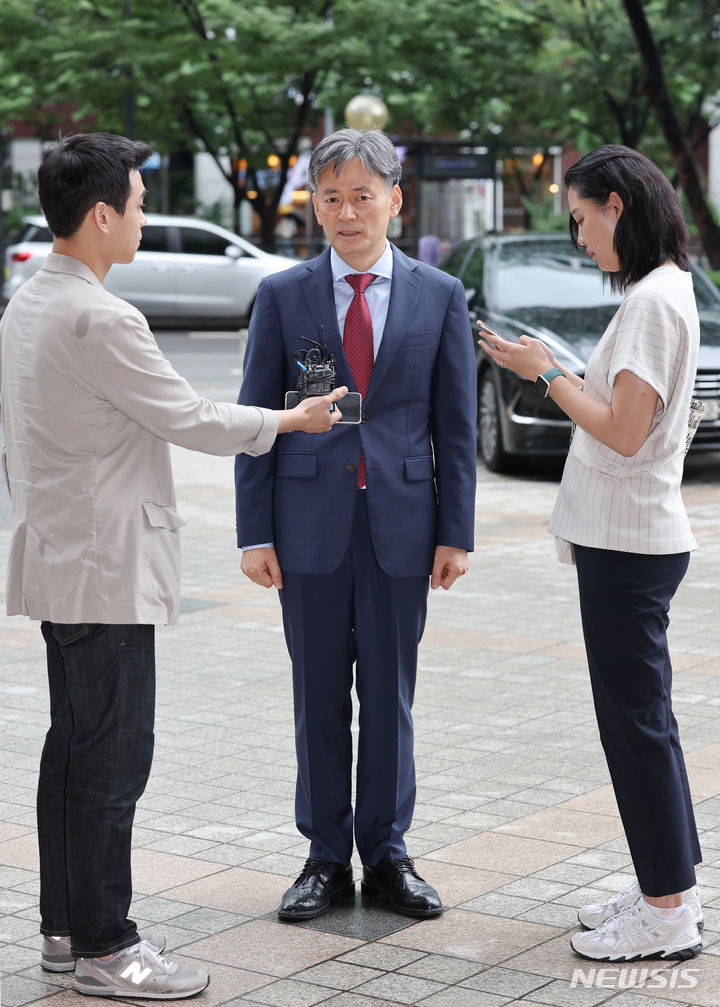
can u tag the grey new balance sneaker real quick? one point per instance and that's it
(57, 956)
(138, 972)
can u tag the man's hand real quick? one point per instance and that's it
(448, 565)
(312, 415)
(262, 567)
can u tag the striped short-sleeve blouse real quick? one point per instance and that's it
(608, 501)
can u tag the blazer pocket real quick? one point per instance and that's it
(419, 468)
(162, 515)
(420, 338)
(296, 466)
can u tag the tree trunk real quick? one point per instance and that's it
(656, 90)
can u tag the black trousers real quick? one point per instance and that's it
(94, 767)
(624, 602)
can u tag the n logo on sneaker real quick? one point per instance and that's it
(135, 973)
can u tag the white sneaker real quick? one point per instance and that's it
(636, 933)
(598, 913)
(57, 957)
(140, 972)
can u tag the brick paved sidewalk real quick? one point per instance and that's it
(515, 822)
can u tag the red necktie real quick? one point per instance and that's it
(358, 343)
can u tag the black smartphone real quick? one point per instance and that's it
(350, 405)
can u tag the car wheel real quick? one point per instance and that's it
(490, 443)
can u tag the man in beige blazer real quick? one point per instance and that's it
(89, 406)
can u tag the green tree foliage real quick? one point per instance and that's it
(244, 80)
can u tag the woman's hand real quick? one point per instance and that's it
(527, 357)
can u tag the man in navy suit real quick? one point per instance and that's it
(349, 527)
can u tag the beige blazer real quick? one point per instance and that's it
(88, 404)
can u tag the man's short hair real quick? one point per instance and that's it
(81, 170)
(372, 147)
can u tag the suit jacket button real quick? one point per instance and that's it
(352, 467)
(364, 417)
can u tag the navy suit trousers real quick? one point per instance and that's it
(624, 601)
(355, 615)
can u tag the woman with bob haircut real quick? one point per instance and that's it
(620, 518)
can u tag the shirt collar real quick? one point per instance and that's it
(383, 267)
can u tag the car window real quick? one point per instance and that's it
(473, 273)
(705, 296)
(454, 260)
(195, 241)
(154, 238)
(549, 274)
(32, 232)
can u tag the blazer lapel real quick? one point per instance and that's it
(404, 293)
(318, 291)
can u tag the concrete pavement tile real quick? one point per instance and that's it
(16, 957)
(554, 958)
(563, 994)
(230, 855)
(535, 888)
(400, 987)
(339, 975)
(457, 883)
(564, 825)
(281, 863)
(15, 928)
(184, 846)
(275, 949)
(17, 990)
(15, 877)
(10, 831)
(226, 982)
(507, 854)
(382, 956)
(12, 901)
(497, 904)
(599, 801)
(505, 982)
(571, 874)
(442, 968)
(356, 1000)
(157, 910)
(707, 757)
(704, 781)
(603, 859)
(237, 890)
(553, 914)
(156, 872)
(456, 996)
(363, 917)
(638, 1000)
(473, 936)
(21, 852)
(289, 993)
(480, 821)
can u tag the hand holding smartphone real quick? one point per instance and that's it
(486, 331)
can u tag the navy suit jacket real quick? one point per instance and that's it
(418, 433)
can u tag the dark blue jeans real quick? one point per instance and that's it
(94, 767)
(624, 601)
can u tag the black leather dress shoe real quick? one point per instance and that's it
(400, 883)
(319, 883)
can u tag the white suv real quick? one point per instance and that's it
(186, 271)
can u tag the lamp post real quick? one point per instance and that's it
(366, 111)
